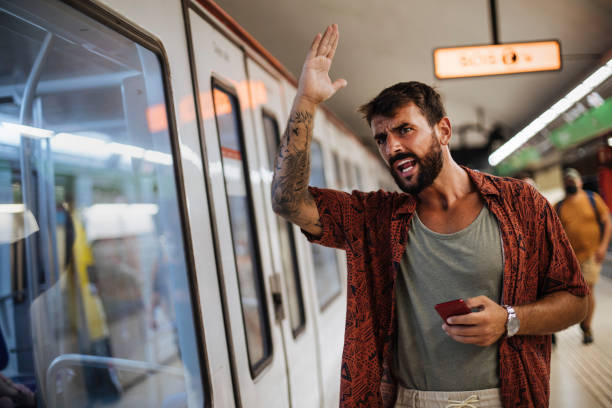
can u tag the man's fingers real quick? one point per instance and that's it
(466, 331)
(464, 339)
(470, 318)
(314, 46)
(477, 301)
(470, 335)
(324, 45)
(334, 43)
(339, 84)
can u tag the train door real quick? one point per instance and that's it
(298, 328)
(225, 112)
(96, 303)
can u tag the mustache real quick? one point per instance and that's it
(402, 156)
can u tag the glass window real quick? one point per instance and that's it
(287, 239)
(95, 301)
(348, 170)
(358, 178)
(244, 238)
(336, 159)
(327, 277)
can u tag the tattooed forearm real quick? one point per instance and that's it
(290, 196)
(292, 167)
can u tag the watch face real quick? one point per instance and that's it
(513, 326)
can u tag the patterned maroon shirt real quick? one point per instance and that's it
(373, 228)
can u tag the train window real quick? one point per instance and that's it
(327, 277)
(358, 178)
(350, 179)
(95, 301)
(244, 238)
(336, 160)
(287, 239)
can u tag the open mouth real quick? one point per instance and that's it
(405, 167)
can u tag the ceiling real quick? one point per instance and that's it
(387, 41)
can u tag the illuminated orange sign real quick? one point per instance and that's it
(511, 58)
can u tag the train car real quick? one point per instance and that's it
(140, 261)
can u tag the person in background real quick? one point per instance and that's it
(586, 220)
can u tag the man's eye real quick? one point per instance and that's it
(379, 140)
(405, 130)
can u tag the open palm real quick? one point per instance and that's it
(315, 83)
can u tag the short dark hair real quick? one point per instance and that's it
(390, 99)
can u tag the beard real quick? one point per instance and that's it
(429, 167)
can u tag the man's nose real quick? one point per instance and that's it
(394, 145)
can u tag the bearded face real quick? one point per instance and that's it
(412, 173)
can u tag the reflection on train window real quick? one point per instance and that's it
(95, 303)
(327, 277)
(250, 281)
(358, 179)
(350, 179)
(287, 239)
(336, 160)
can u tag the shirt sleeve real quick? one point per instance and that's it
(332, 206)
(559, 267)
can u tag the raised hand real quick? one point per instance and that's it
(315, 85)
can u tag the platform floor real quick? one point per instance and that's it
(582, 374)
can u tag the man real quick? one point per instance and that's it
(585, 218)
(408, 251)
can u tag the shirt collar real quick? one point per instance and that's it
(481, 181)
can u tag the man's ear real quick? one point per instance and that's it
(444, 130)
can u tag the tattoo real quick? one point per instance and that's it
(292, 168)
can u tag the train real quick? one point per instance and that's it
(141, 263)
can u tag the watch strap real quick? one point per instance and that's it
(512, 323)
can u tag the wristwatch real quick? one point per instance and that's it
(513, 323)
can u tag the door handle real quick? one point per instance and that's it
(277, 297)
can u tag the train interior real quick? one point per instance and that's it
(87, 316)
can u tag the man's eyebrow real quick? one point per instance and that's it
(383, 135)
(401, 125)
(380, 135)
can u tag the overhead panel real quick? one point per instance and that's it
(595, 122)
(500, 59)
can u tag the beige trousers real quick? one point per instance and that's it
(590, 270)
(489, 398)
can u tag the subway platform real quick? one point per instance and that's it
(582, 374)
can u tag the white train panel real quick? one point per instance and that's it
(114, 255)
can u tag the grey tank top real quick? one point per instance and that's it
(436, 268)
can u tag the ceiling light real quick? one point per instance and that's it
(578, 93)
(561, 106)
(575, 95)
(598, 76)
